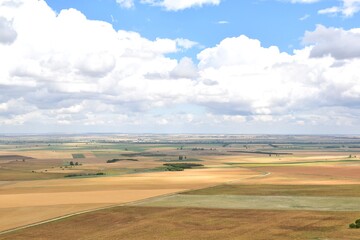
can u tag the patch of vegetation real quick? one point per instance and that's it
(176, 160)
(78, 155)
(260, 152)
(14, 157)
(85, 174)
(355, 225)
(346, 190)
(180, 166)
(144, 154)
(119, 160)
(197, 149)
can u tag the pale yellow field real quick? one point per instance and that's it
(40, 154)
(304, 157)
(20, 216)
(87, 193)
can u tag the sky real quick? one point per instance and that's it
(180, 66)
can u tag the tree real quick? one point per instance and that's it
(71, 163)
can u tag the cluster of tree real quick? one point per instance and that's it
(197, 149)
(180, 166)
(74, 163)
(118, 160)
(355, 225)
(85, 174)
(202, 149)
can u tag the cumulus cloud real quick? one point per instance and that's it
(257, 81)
(336, 42)
(176, 5)
(82, 74)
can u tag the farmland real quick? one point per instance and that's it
(217, 186)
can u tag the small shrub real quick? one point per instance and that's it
(355, 225)
(352, 225)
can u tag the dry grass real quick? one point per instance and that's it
(9, 217)
(105, 190)
(177, 223)
(308, 175)
(12, 175)
(339, 172)
(41, 154)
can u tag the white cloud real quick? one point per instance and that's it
(176, 5)
(126, 3)
(348, 8)
(83, 75)
(185, 43)
(222, 22)
(303, 18)
(267, 84)
(336, 42)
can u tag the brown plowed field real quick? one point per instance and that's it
(188, 223)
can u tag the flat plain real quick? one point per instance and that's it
(131, 187)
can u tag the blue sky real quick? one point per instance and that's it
(273, 22)
(166, 66)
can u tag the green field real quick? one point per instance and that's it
(348, 190)
(257, 202)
